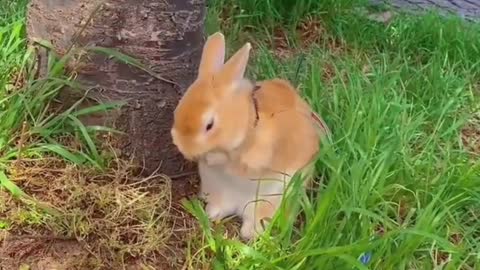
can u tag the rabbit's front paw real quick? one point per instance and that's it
(250, 230)
(215, 212)
(216, 158)
(219, 209)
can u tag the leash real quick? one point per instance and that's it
(255, 104)
(325, 130)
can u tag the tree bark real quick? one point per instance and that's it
(166, 35)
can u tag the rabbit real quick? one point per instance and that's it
(248, 138)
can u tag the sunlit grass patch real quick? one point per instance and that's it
(400, 188)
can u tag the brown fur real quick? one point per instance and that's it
(216, 90)
(269, 133)
(285, 139)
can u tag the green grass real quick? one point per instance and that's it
(399, 183)
(56, 177)
(33, 126)
(32, 123)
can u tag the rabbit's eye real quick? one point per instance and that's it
(209, 125)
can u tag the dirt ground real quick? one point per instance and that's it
(105, 240)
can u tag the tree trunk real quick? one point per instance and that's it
(166, 35)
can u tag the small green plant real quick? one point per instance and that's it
(54, 174)
(30, 126)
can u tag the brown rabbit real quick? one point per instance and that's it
(249, 139)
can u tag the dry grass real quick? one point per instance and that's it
(471, 135)
(309, 32)
(116, 217)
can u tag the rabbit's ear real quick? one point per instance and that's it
(213, 55)
(234, 68)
